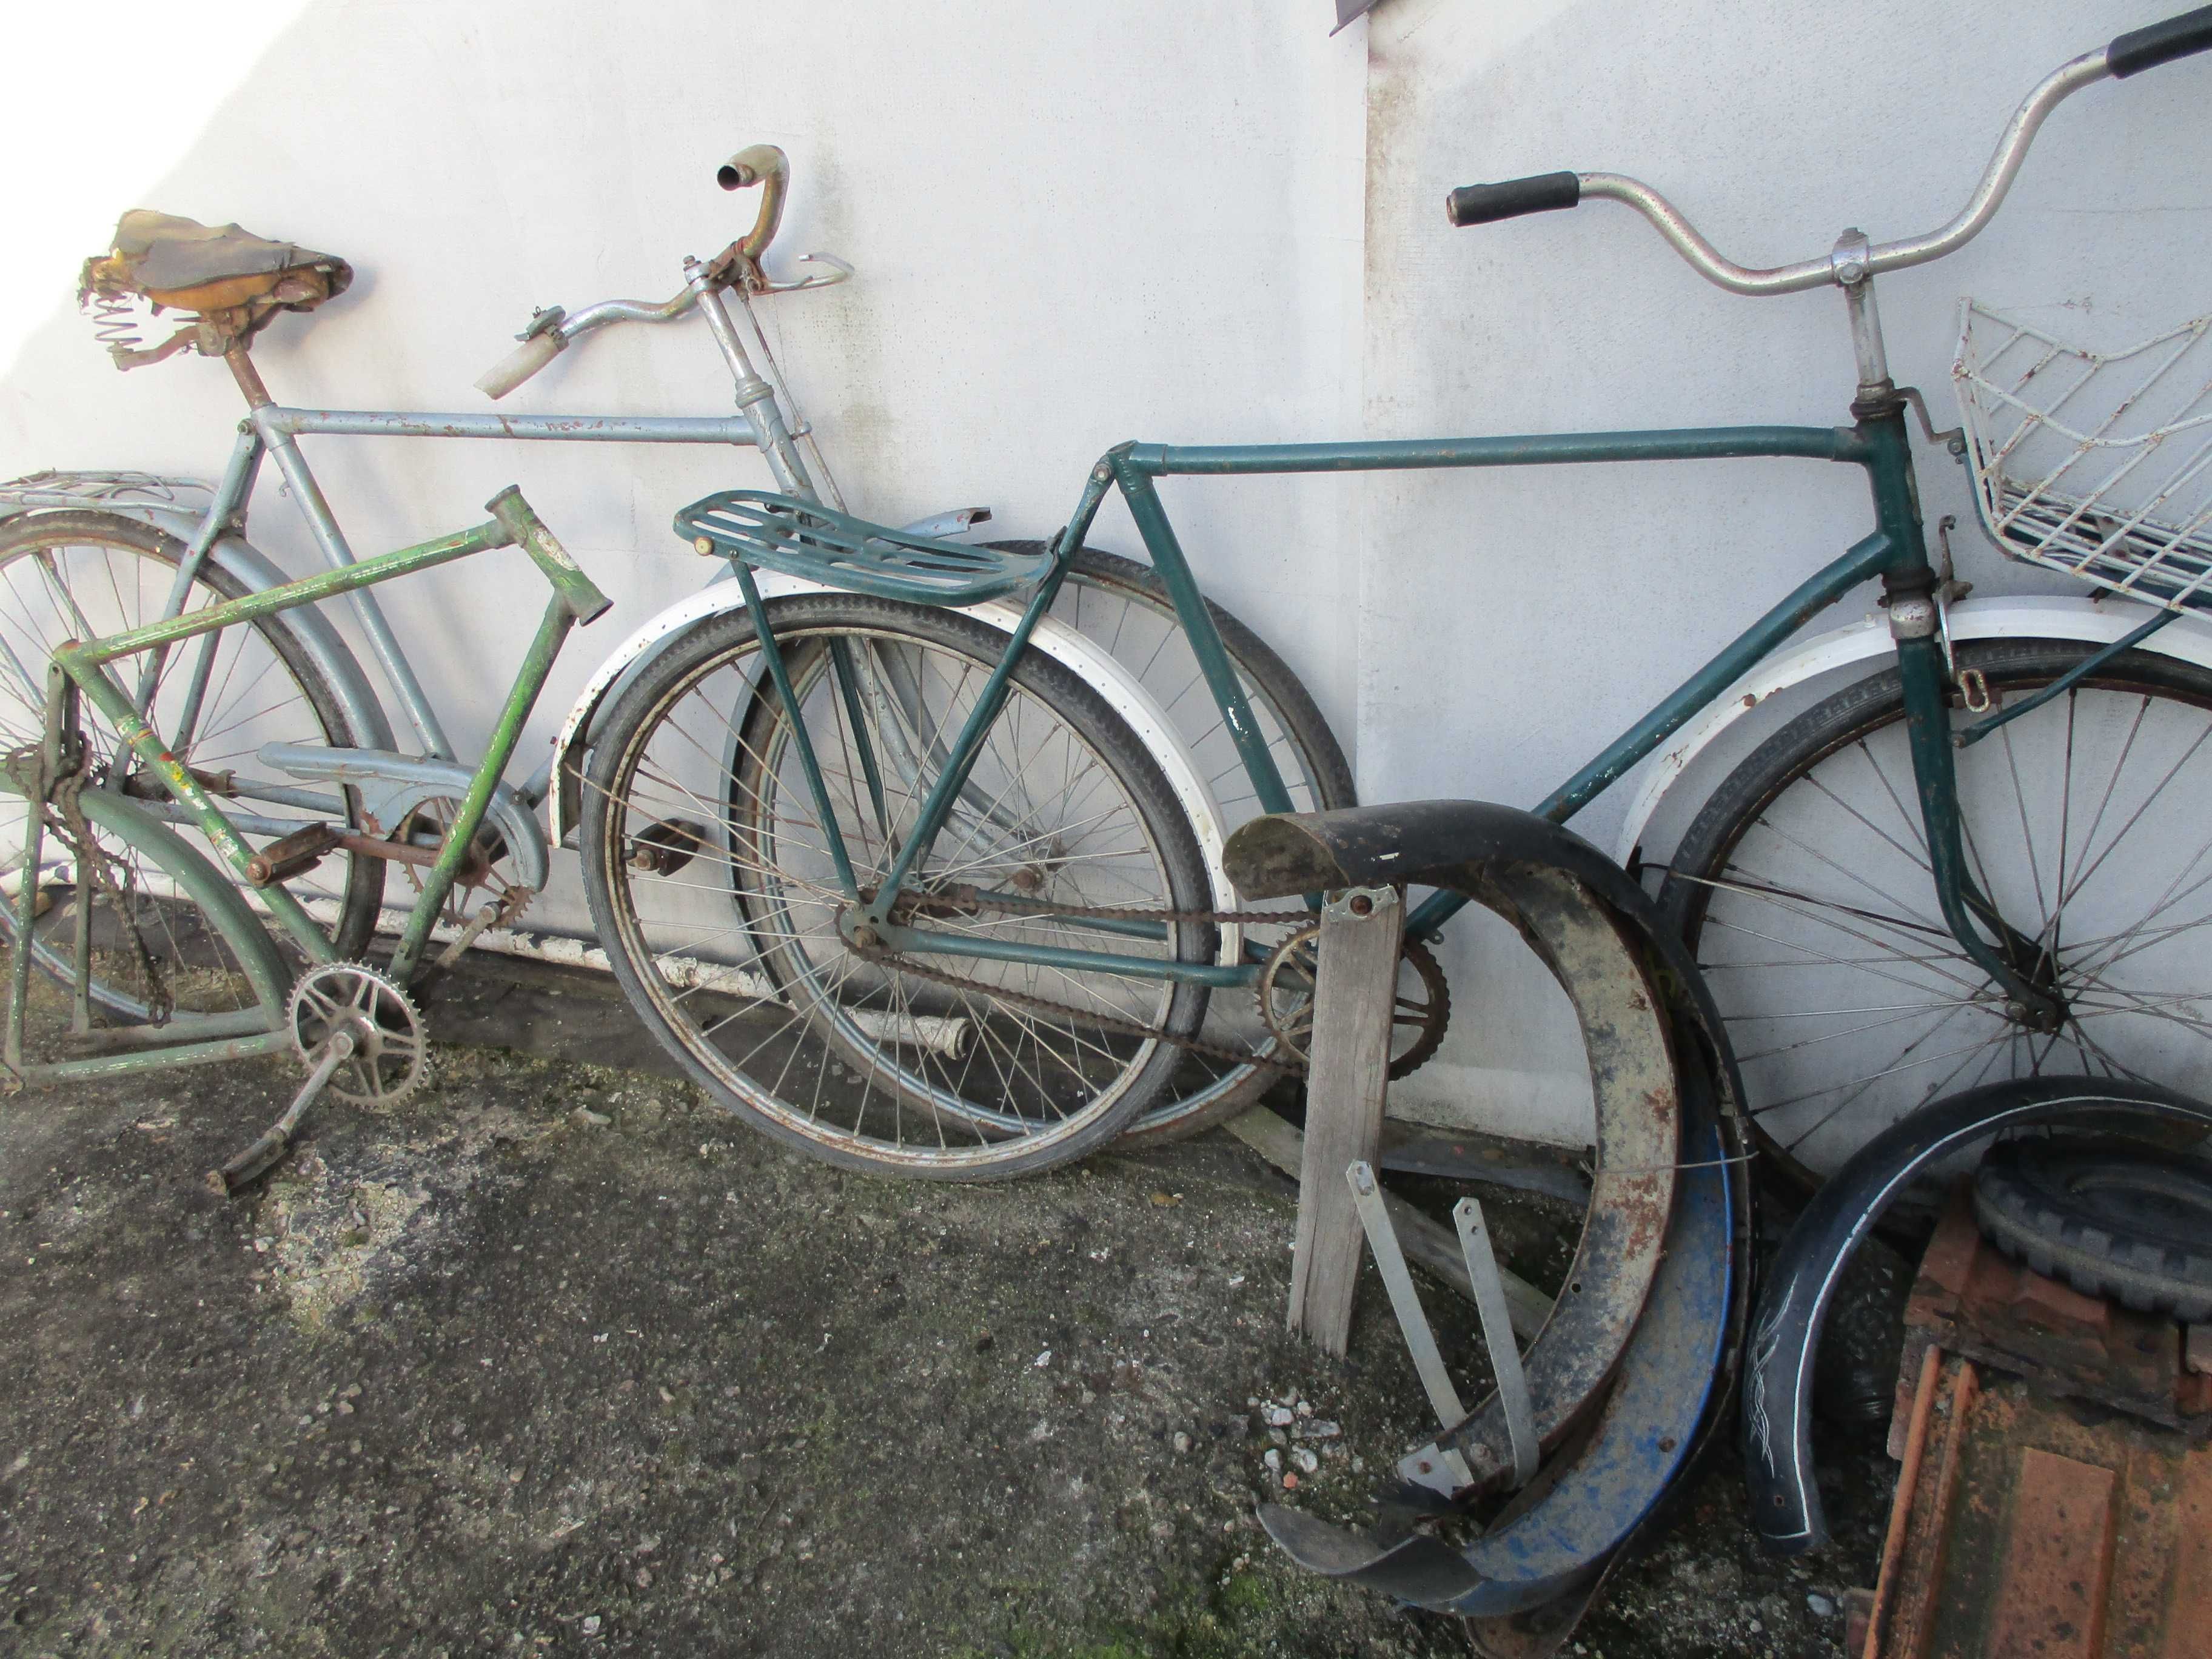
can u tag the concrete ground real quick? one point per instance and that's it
(559, 1358)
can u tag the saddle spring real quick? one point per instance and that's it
(116, 320)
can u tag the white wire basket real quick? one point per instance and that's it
(2097, 466)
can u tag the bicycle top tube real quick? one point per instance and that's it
(1853, 259)
(274, 419)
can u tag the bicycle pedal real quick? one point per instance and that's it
(663, 848)
(293, 854)
(250, 1165)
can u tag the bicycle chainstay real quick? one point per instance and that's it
(971, 901)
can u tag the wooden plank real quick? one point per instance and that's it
(1429, 1245)
(1355, 992)
(2059, 1567)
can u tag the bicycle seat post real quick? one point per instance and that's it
(240, 361)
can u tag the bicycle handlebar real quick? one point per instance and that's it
(549, 332)
(2161, 43)
(1850, 262)
(770, 168)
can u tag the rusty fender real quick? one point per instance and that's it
(1604, 941)
(1453, 844)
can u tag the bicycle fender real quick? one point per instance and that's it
(1868, 643)
(212, 890)
(1665, 1388)
(1485, 849)
(1777, 1389)
(1124, 693)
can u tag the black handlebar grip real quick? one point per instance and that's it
(2161, 42)
(1480, 204)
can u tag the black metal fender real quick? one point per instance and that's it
(1777, 1390)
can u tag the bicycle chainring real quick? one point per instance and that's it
(391, 1059)
(1418, 1022)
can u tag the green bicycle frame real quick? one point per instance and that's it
(1895, 553)
(82, 670)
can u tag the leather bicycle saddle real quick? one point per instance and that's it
(217, 271)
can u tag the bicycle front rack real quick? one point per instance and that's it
(808, 540)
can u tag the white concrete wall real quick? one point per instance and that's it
(1511, 623)
(1178, 219)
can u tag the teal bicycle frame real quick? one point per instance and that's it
(1895, 553)
(79, 670)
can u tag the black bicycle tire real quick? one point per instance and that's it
(361, 906)
(682, 660)
(2025, 1205)
(1834, 723)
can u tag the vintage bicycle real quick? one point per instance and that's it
(276, 716)
(1986, 857)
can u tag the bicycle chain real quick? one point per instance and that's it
(60, 793)
(973, 900)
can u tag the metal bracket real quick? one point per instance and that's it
(2065, 683)
(1406, 1302)
(1952, 439)
(837, 271)
(1498, 1334)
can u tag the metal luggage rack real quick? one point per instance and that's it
(2096, 464)
(806, 539)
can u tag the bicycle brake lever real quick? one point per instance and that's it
(839, 271)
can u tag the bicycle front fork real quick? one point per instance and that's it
(2025, 968)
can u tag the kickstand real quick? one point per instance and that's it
(263, 1154)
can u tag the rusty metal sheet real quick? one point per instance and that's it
(2025, 1524)
(2059, 1572)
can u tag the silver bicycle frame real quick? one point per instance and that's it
(270, 430)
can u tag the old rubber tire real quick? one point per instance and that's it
(2120, 1220)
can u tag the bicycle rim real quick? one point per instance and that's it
(1804, 888)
